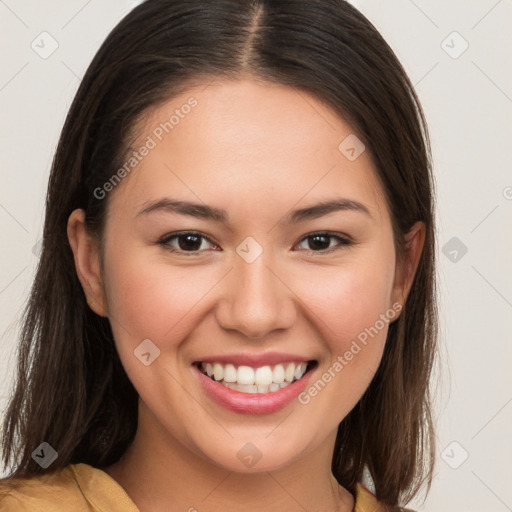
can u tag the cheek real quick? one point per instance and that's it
(348, 302)
(162, 303)
(352, 311)
(154, 300)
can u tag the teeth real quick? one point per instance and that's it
(289, 372)
(230, 373)
(248, 388)
(255, 380)
(278, 374)
(218, 372)
(244, 388)
(245, 375)
(300, 369)
(263, 376)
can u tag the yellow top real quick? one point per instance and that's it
(83, 488)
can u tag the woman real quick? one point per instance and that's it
(235, 300)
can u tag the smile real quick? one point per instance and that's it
(262, 379)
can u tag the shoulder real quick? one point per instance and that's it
(77, 488)
(365, 501)
(48, 492)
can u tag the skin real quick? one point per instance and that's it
(257, 150)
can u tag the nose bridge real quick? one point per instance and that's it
(255, 301)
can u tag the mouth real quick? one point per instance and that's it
(252, 380)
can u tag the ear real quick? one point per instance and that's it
(406, 266)
(87, 262)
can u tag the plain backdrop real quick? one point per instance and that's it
(458, 54)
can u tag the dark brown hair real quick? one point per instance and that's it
(71, 389)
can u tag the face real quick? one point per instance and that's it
(217, 253)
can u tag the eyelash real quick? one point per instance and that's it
(165, 242)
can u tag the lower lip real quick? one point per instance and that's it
(253, 403)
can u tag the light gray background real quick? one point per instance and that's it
(467, 99)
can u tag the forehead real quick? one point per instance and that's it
(249, 142)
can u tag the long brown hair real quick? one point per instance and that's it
(71, 389)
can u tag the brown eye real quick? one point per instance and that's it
(187, 242)
(321, 242)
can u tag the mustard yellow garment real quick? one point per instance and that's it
(83, 488)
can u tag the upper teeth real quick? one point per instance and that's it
(261, 376)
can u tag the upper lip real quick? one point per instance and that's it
(253, 360)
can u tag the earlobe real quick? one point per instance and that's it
(407, 266)
(87, 261)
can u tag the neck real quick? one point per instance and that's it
(160, 474)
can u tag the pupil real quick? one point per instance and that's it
(323, 244)
(192, 242)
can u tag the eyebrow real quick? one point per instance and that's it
(204, 211)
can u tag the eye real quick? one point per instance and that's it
(321, 242)
(185, 242)
(191, 242)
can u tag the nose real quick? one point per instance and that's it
(256, 300)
